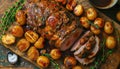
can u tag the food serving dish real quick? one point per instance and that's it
(45, 42)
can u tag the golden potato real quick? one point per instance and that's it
(70, 62)
(17, 31)
(77, 67)
(108, 28)
(71, 4)
(23, 45)
(33, 53)
(110, 42)
(20, 17)
(78, 10)
(55, 53)
(91, 14)
(8, 39)
(43, 61)
(118, 16)
(84, 22)
(39, 43)
(31, 36)
(95, 30)
(99, 22)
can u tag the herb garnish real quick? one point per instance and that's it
(9, 16)
(101, 58)
(95, 25)
(56, 65)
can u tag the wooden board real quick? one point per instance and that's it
(113, 59)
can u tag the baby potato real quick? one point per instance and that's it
(31, 36)
(108, 28)
(118, 16)
(95, 30)
(71, 4)
(39, 43)
(110, 42)
(55, 53)
(77, 67)
(43, 61)
(17, 31)
(23, 45)
(70, 61)
(99, 22)
(33, 53)
(78, 10)
(8, 39)
(84, 22)
(91, 14)
(20, 17)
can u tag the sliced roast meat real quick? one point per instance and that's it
(85, 61)
(96, 48)
(67, 42)
(63, 32)
(83, 48)
(82, 40)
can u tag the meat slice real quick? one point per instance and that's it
(63, 32)
(82, 40)
(85, 61)
(82, 49)
(80, 54)
(96, 48)
(67, 42)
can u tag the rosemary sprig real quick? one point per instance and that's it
(9, 16)
(95, 25)
(56, 65)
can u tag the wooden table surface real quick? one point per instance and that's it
(5, 4)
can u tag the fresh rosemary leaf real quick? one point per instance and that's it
(95, 25)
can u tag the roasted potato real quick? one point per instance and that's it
(108, 28)
(20, 17)
(39, 43)
(84, 22)
(8, 39)
(91, 14)
(31, 36)
(77, 67)
(17, 31)
(70, 62)
(33, 53)
(110, 42)
(78, 10)
(95, 30)
(71, 4)
(118, 16)
(23, 45)
(43, 61)
(99, 22)
(55, 53)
